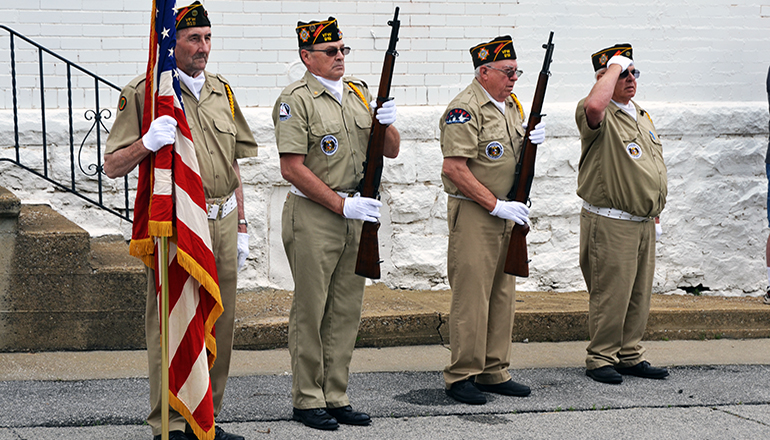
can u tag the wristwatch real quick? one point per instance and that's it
(243, 222)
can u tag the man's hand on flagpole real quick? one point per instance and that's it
(162, 132)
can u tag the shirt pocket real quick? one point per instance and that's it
(325, 136)
(493, 143)
(225, 134)
(364, 122)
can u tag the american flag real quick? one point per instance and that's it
(170, 203)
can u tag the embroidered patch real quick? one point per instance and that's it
(603, 59)
(304, 35)
(483, 54)
(457, 116)
(284, 111)
(122, 103)
(495, 150)
(634, 150)
(329, 145)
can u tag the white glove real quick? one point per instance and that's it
(387, 113)
(243, 249)
(361, 208)
(621, 61)
(658, 231)
(515, 211)
(537, 135)
(162, 132)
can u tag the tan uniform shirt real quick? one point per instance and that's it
(621, 162)
(219, 137)
(473, 127)
(309, 120)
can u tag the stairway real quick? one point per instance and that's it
(62, 290)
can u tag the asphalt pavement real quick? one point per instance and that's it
(718, 389)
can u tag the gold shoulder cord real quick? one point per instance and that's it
(360, 95)
(518, 106)
(230, 99)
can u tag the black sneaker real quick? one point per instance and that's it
(644, 369)
(509, 388)
(766, 297)
(605, 374)
(465, 392)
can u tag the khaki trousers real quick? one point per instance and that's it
(224, 238)
(483, 296)
(617, 258)
(322, 248)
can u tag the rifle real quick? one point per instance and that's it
(368, 262)
(516, 262)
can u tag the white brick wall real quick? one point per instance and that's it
(715, 51)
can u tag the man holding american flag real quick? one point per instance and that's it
(217, 132)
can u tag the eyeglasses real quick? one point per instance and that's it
(332, 51)
(636, 74)
(509, 72)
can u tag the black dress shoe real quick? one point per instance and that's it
(173, 435)
(465, 392)
(605, 374)
(316, 418)
(220, 434)
(509, 388)
(644, 369)
(347, 416)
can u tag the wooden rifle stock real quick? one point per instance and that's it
(516, 261)
(368, 262)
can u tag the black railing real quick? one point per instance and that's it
(95, 171)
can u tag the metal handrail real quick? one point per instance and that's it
(97, 114)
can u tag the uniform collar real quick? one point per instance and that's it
(208, 88)
(316, 87)
(616, 109)
(484, 97)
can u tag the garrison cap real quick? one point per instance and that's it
(193, 15)
(600, 58)
(317, 32)
(501, 48)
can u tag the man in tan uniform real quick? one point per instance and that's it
(481, 138)
(221, 136)
(622, 181)
(322, 124)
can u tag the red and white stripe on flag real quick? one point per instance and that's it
(170, 203)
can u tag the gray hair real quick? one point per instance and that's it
(477, 72)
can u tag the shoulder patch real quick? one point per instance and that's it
(284, 111)
(457, 116)
(122, 103)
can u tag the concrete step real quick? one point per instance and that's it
(401, 317)
(56, 294)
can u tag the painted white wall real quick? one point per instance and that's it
(703, 64)
(688, 50)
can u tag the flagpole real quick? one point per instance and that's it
(164, 413)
